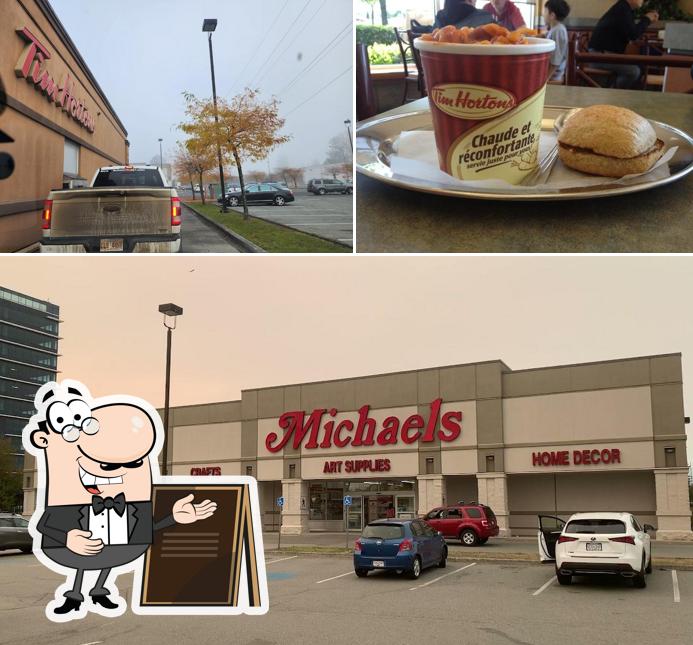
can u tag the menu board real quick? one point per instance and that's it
(202, 564)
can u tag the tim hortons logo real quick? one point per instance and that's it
(302, 431)
(32, 66)
(472, 101)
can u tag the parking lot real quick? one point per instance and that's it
(318, 599)
(329, 216)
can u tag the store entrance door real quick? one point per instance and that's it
(355, 513)
(378, 507)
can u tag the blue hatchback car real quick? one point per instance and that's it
(400, 545)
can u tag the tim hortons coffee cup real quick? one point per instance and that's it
(487, 103)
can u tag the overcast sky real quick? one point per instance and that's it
(261, 321)
(145, 54)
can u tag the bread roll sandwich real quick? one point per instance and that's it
(609, 141)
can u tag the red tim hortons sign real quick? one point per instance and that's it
(32, 66)
(309, 431)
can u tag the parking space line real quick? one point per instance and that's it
(350, 573)
(291, 557)
(675, 582)
(546, 585)
(445, 575)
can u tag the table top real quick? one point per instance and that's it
(395, 220)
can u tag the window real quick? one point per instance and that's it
(670, 457)
(428, 531)
(473, 512)
(635, 524)
(429, 465)
(417, 529)
(292, 471)
(326, 503)
(454, 512)
(137, 177)
(253, 188)
(20, 522)
(71, 159)
(5, 522)
(434, 515)
(249, 471)
(384, 531)
(590, 526)
(490, 464)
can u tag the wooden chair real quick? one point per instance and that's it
(411, 36)
(406, 51)
(584, 74)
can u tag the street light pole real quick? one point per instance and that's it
(161, 155)
(170, 311)
(209, 25)
(347, 123)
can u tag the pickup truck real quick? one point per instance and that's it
(125, 209)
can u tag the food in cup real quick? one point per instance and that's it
(609, 141)
(487, 102)
(490, 34)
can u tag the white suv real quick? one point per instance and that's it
(596, 543)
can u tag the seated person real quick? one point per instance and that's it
(555, 12)
(461, 13)
(505, 13)
(615, 29)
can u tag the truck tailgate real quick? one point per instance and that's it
(99, 212)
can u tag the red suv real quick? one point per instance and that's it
(472, 523)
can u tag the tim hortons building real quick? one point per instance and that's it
(606, 436)
(58, 125)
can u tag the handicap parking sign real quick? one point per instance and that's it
(280, 501)
(347, 500)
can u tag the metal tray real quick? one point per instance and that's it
(377, 138)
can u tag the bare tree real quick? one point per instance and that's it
(339, 150)
(255, 175)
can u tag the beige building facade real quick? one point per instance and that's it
(62, 125)
(607, 436)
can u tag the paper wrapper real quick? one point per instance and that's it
(416, 157)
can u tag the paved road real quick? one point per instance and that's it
(201, 237)
(329, 216)
(320, 600)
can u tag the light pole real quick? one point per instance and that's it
(161, 156)
(347, 123)
(170, 311)
(209, 25)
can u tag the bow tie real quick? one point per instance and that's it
(117, 503)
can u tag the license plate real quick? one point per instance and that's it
(378, 563)
(593, 546)
(110, 246)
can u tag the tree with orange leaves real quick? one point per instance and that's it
(192, 159)
(248, 129)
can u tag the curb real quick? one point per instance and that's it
(238, 240)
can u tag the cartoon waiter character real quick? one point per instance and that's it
(95, 459)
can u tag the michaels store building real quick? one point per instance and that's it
(606, 436)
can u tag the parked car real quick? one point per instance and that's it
(596, 544)
(399, 545)
(471, 523)
(260, 194)
(14, 533)
(324, 186)
(125, 209)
